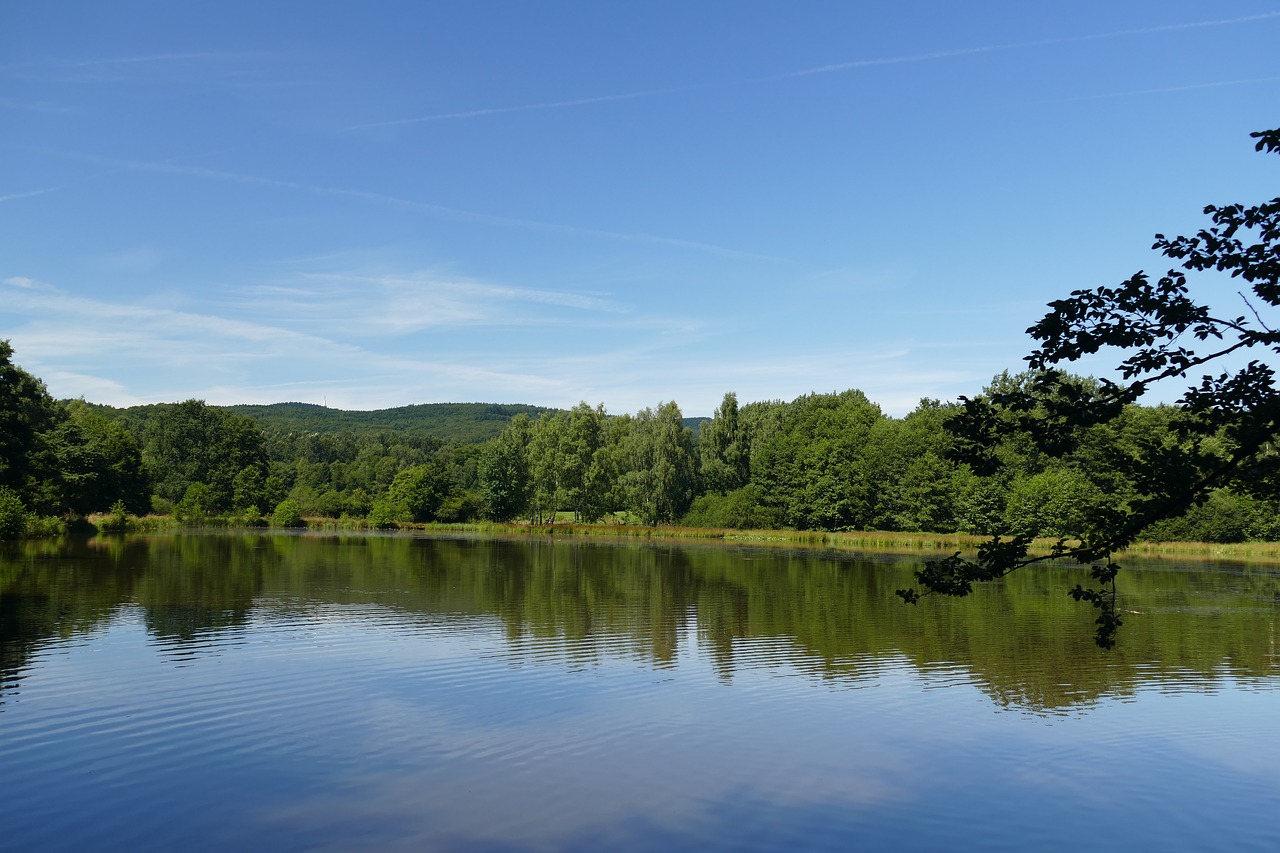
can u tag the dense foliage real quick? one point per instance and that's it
(57, 458)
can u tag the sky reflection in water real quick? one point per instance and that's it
(386, 693)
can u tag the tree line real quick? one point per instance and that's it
(838, 462)
(830, 461)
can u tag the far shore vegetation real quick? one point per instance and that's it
(621, 529)
(825, 470)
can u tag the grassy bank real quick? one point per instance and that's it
(926, 544)
(870, 540)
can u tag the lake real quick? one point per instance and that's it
(386, 692)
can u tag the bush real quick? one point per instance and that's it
(249, 516)
(13, 514)
(116, 521)
(1224, 517)
(288, 514)
(459, 507)
(740, 509)
(419, 491)
(385, 513)
(195, 504)
(329, 504)
(45, 526)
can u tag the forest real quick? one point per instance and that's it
(824, 461)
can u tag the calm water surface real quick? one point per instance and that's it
(382, 692)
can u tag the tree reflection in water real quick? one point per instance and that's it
(830, 615)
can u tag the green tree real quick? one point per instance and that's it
(13, 515)
(660, 472)
(417, 493)
(811, 461)
(119, 473)
(248, 486)
(608, 464)
(1057, 502)
(913, 486)
(503, 471)
(583, 435)
(27, 415)
(1226, 422)
(724, 449)
(193, 442)
(196, 503)
(547, 465)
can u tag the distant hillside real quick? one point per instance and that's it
(695, 424)
(465, 423)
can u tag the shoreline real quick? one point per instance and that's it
(897, 542)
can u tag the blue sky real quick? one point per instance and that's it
(377, 204)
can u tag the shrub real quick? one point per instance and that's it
(288, 514)
(45, 526)
(195, 503)
(459, 507)
(740, 509)
(13, 514)
(249, 516)
(116, 521)
(385, 513)
(1224, 517)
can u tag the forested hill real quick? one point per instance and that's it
(695, 424)
(459, 423)
(464, 423)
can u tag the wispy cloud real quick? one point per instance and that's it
(128, 353)
(829, 68)
(80, 345)
(27, 194)
(119, 323)
(136, 59)
(202, 172)
(403, 304)
(351, 341)
(59, 187)
(35, 107)
(25, 283)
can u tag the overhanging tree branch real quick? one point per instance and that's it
(1238, 411)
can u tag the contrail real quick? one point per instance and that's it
(820, 69)
(545, 105)
(1160, 91)
(436, 209)
(125, 60)
(29, 194)
(1021, 45)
